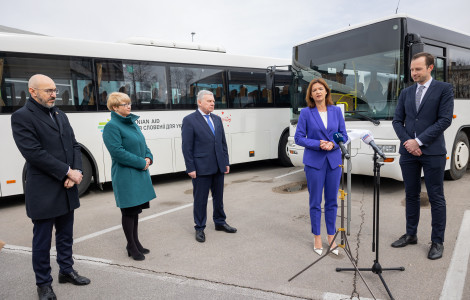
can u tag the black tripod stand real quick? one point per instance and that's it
(344, 240)
(376, 267)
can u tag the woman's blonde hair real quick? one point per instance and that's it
(308, 95)
(117, 98)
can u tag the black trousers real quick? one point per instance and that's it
(42, 236)
(201, 186)
(433, 167)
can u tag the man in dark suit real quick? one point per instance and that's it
(423, 112)
(45, 138)
(206, 157)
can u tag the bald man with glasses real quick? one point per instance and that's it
(46, 140)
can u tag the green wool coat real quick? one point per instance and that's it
(126, 144)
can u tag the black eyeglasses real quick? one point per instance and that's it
(49, 91)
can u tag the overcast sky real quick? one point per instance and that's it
(249, 27)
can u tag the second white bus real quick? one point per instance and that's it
(367, 66)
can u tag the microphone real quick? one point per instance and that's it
(338, 138)
(369, 140)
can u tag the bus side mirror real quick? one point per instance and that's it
(416, 48)
(414, 45)
(270, 77)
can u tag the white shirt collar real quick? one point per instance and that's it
(202, 113)
(427, 84)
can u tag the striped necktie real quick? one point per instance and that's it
(418, 96)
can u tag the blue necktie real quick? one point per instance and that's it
(210, 124)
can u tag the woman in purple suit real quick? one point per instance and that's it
(322, 157)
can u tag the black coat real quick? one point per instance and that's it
(49, 149)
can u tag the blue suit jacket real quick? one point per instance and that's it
(203, 151)
(429, 122)
(310, 130)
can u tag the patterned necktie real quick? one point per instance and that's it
(418, 96)
(210, 124)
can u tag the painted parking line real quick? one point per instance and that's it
(118, 227)
(457, 272)
(227, 288)
(288, 174)
(28, 250)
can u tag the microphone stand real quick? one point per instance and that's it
(376, 267)
(344, 240)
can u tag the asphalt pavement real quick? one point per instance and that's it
(268, 205)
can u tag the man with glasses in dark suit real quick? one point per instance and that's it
(45, 138)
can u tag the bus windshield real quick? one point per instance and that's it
(363, 67)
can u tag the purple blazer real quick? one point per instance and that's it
(310, 130)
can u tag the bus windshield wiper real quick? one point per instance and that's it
(358, 112)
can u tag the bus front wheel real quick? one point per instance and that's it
(87, 175)
(283, 158)
(459, 157)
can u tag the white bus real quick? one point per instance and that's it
(162, 80)
(366, 67)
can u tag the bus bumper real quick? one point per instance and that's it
(362, 163)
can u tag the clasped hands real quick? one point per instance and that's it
(73, 177)
(326, 145)
(412, 147)
(147, 163)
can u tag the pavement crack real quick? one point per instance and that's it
(183, 277)
(194, 278)
(355, 293)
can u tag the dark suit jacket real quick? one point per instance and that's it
(429, 122)
(203, 151)
(310, 130)
(49, 149)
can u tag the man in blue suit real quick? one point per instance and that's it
(45, 138)
(423, 113)
(206, 158)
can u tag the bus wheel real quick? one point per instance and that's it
(87, 174)
(459, 158)
(283, 158)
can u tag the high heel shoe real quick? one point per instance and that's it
(135, 256)
(318, 251)
(335, 251)
(143, 250)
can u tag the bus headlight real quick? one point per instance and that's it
(387, 148)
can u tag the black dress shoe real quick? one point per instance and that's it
(225, 227)
(405, 240)
(74, 278)
(436, 251)
(200, 236)
(46, 293)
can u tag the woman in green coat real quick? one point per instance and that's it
(131, 158)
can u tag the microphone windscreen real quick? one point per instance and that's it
(338, 137)
(367, 137)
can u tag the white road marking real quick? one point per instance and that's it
(455, 278)
(291, 173)
(221, 287)
(118, 227)
(28, 250)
